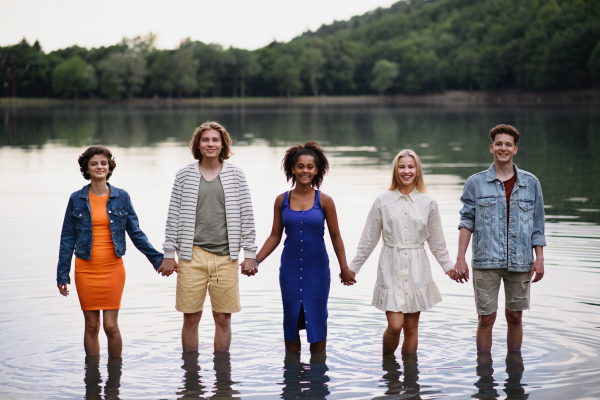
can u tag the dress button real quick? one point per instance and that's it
(300, 231)
(300, 277)
(300, 269)
(302, 240)
(300, 289)
(301, 249)
(405, 254)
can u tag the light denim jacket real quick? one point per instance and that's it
(76, 235)
(484, 214)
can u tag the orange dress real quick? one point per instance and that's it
(101, 279)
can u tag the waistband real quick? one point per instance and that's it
(403, 247)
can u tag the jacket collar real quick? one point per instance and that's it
(412, 195)
(491, 175)
(84, 192)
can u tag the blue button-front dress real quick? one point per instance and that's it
(304, 275)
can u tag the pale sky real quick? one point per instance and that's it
(248, 24)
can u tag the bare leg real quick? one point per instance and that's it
(391, 336)
(411, 333)
(514, 334)
(294, 347)
(90, 337)
(113, 334)
(189, 332)
(222, 331)
(318, 347)
(484, 332)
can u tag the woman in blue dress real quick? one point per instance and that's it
(304, 275)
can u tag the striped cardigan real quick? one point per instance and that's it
(181, 220)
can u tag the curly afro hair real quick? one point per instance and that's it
(310, 148)
(84, 160)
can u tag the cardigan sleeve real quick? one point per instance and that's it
(248, 231)
(170, 246)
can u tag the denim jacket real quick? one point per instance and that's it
(484, 214)
(76, 235)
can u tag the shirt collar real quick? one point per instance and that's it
(412, 195)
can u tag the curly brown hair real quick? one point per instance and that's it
(507, 129)
(310, 148)
(84, 160)
(225, 139)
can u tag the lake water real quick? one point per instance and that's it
(41, 332)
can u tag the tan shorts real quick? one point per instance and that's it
(209, 271)
(487, 286)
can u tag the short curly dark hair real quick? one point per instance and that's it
(310, 148)
(84, 160)
(507, 129)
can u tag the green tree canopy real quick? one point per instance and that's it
(384, 73)
(73, 77)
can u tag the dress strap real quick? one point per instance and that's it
(318, 199)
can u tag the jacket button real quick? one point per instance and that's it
(109, 211)
(80, 215)
(111, 221)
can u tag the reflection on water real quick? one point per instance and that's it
(487, 385)
(193, 386)
(305, 379)
(93, 378)
(402, 384)
(38, 169)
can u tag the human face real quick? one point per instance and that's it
(304, 170)
(98, 167)
(210, 145)
(407, 171)
(503, 148)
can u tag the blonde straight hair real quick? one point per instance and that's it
(419, 181)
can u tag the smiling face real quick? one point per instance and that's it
(407, 172)
(304, 170)
(503, 148)
(98, 167)
(210, 144)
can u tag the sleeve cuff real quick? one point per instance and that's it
(169, 254)
(251, 254)
(539, 241)
(466, 223)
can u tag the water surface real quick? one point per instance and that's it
(41, 352)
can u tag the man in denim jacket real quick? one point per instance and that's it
(503, 209)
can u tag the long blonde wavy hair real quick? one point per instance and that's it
(419, 181)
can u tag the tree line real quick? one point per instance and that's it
(415, 46)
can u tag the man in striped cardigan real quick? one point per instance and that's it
(210, 217)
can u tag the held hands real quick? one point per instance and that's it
(249, 267)
(460, 271)
(347, 277)
(62, 288)
(168, 266)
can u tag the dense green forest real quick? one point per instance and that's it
(415, 46)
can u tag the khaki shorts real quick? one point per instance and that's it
(487, 286)
(209, 271)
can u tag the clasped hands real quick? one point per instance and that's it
(347, 277)
(460, 272)
(249, 267)
(168, 266)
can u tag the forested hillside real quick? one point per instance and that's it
(417, 46)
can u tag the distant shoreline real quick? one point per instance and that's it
(456, 97)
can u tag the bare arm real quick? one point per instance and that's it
(538, 264)
(249, 267)
(347, 276)
(461, 269)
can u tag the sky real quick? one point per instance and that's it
(247, 24)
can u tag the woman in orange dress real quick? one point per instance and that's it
(96, 220)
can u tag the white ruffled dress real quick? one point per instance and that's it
(406, 222)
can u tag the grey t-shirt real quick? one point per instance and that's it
(211, 220)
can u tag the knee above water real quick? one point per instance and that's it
(111, 329)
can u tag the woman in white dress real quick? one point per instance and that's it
(407, 217)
